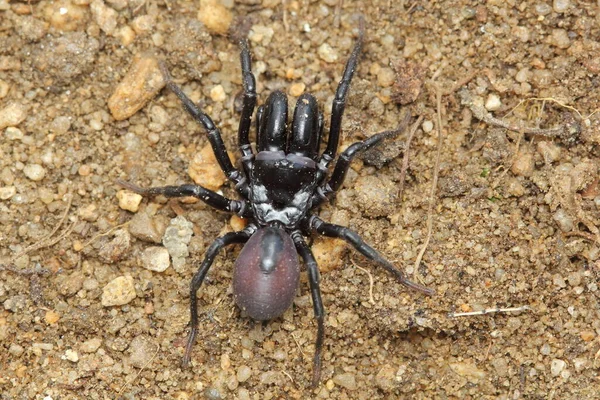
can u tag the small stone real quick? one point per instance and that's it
(13, 133)
(155, 259)
(493, 102)
(149, 228)
(587, 336)
(205, 171)
(51, 317)
(217, 93)
(116, 249)
(261, 34)
(142, 82)
(142, 349)
(469, 371)
(176, 239)
(386, 378)
(71, 355)
(345, 380)
(7, 192)
(12, 115)
(15, 349)
(386, 77)
(550, 151)
(128, 200)
(515, 188)
(15, 303)
(329, 253)
(327, 54)
(105, 17)
(557, 366)
(427, 126)
(90, 346)
(143, 24)
(564, 220)
(561, 6)
(66, 16)
(88, 213)
(126, 35)
(376, 196)
(35, 172)
(523, 164)
(214, 16)
(119, 291)
(560, 38)
(237, 223)
(297, 89)
(243, 373)
(60, 125)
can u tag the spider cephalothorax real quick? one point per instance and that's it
(281, 185)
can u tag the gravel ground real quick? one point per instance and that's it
(94, 282)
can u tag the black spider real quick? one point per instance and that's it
(280, 186)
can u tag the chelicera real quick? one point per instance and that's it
(281, 186)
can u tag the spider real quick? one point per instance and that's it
(281, 186)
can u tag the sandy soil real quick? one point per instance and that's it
(514, 221)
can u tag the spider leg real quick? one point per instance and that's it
(249, 83)
(211, 198)
(339, 102)
(359, 244)
(345, 159)
(315, 290)
(214, 134)
(218, 244)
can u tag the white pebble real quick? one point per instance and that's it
(217, 93)
(327, 54)
(118, 292)
(13, 133)
(556, 366)
(12, 115)
(560, 6)
(7, 192)
(71, 355)
(427, 126)
(493, 102)
(155, 258)
(35, 172)
(128, 200)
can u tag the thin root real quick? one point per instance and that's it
(489, 311)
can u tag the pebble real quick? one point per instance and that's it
(561, 6)
(12, 115)
(88, 213)
(523, 164)
(119, 291)
(261, 34)
(51, 317)
(205, 170)
(114, 250)
(143, 24)
(327, 54)
(564, 220)
(4, 88)
(176, 239)
(386, 77)
(550, 151)
(297, 89)
(126, 35)
(66, 16)
(587, 336)
(217, 93)
(468, 370)
(128, 200)
(557, 366)
(91, 345)
(155, 258)
(149, 228)
(7, 192)
(345, 380)
(142, 350)
(376, 196)
(386, 378)
(244, 373)
(329, 253)
(427, 126)
(215, 17)
(71, 355)
(493, 102)
(560, 38)
(142, 82)
(15, 303)
(60, 125)
(13, 133)
(15, 349)
(35, 172)
(105, 17)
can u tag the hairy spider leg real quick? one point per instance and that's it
(307, 127)
(209, 197)
(214, 134)
(218, 244)
(272, 123)
(345, 159)
(362, 247)
(249, 102)
(315, 291)
(339, 102)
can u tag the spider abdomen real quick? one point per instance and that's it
(266, 274)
